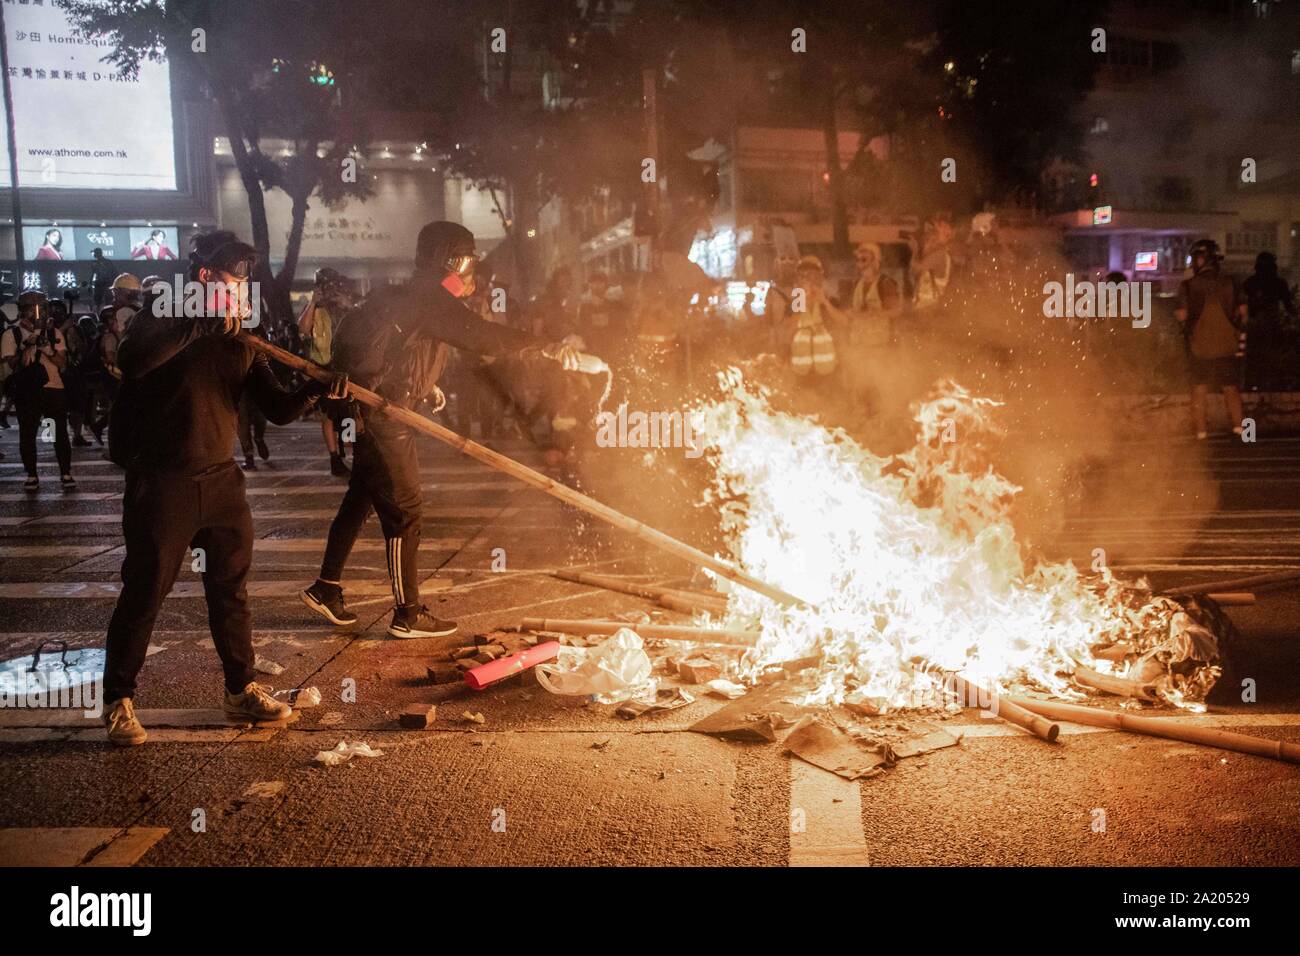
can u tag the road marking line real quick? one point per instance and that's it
(54, 550)
(825, 818)
(189, 589)
(76, 846)
(269, 545)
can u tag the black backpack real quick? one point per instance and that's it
(377, 351)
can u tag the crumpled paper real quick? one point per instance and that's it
(345, 752)
(616, 670)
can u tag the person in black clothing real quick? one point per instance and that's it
(102, 275)
(38, 357)
(172, 429)
(252, 432)
(1271, 313)
(397, 344)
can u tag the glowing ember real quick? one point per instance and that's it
(908, 559)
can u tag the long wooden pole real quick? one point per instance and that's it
(675, 598)
(525, 474)
(670, 632)
(1234, 584)
(1173, 729)
(1003, 707)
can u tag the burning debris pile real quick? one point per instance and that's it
(871, 585)
(911, 569)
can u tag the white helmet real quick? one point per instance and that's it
(126, 281)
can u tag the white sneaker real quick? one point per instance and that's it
(255, 701)
(124, 728)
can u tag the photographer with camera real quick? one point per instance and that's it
(332, 296)
(37, 356)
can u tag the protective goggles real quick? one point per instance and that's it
(463, 266)
(241, 269)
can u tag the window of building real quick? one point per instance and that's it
(1253, 236)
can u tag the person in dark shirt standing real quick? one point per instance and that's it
(397, 344)
(172, 428)
(1211, 310)
(1271, 312)
(101, 277)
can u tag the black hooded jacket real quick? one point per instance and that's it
(395, 342)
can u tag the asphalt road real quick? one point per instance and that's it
(551, 780)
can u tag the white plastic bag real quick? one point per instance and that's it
(614, 671)
(345, 752)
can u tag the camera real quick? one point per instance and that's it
(337, 290)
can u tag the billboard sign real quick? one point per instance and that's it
(78, 124)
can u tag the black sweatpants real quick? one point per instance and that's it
(385, 477)
(51, 403)
(252, 425)
(163, 517)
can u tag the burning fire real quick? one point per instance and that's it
(908, 562)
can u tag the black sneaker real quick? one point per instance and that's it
(31, 483)
(338, 468)
(79, 441)
(249, 463)
(327, 601)
(68, 482)
(261, 448)
(414, 620)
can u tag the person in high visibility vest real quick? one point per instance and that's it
(931, 266)
(812, 346)
(875, 299)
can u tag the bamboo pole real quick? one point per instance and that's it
(686, 606)
(1005, 708)
(1233, 598)
(1233, 584)
(1119, 686)
(1172, 729)
(675, 598)
(671, 632)
(525, 474)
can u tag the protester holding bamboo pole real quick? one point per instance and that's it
(396, 344)
(172, 427)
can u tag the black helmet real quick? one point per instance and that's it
(1207, 248)
(445, 247)
(1266, 264)
(36, 302)
(236, 258)
(203, 244)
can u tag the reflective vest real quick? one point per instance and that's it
(930, 286)
(812, 350)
